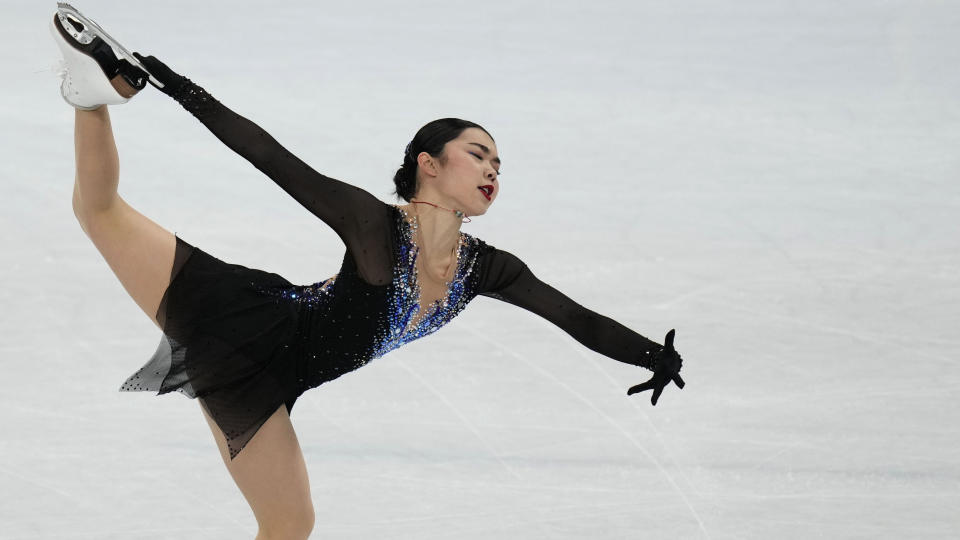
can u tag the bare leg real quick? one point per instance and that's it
(139, 251)
(272, 475)
(98, 165)
(270, 471)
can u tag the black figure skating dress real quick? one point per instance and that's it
(245, 341)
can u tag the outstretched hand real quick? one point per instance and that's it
(171, 81)
(668, 363)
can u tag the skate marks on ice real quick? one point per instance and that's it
(576, 347)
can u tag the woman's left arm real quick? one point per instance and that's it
(507, 278)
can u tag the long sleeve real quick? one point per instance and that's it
(359, 218)
(507, 278)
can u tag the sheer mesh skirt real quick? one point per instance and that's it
(224, 343)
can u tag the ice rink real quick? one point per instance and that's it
(778, 181)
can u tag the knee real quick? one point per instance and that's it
(81, 215)
(78, 209)
(92, 219)
(294, 525)
(84, 209)
(76, 203)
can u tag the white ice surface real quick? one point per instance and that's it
(776, 180)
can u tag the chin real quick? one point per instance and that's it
(483, 209)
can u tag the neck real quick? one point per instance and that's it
(438, 233)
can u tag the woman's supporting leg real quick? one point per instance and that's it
(139, 251)
(272, 475)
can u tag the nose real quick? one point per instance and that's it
(491, 174)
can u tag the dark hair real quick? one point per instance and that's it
(431, 138)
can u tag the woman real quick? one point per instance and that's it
(245, 342)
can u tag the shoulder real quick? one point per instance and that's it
(498, 267)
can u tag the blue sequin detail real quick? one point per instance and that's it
(405, 292)
(316, 293)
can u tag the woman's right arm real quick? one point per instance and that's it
(346, 208)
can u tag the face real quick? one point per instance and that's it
(472, 162)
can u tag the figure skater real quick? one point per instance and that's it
(245, 342)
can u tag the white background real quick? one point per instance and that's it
(776, 180)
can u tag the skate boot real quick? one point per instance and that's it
(96, 69)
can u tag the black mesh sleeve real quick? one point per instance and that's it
(507, 278)
(360, 219)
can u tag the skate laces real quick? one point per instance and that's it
(57, 69)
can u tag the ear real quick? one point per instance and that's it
(426, 163)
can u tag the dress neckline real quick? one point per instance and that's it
(425, 313)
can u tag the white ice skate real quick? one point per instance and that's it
(97, 70)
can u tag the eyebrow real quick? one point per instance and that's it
(487, 150)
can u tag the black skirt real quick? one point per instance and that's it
(225, 343)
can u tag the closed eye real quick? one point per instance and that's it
(478, 156)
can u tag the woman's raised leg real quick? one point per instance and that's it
(272, 475)
(139, 251)
(270, 471)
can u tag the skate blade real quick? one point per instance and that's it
(91, 29)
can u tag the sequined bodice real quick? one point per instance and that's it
(423, 307)
(416, 319)
(354, 321)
